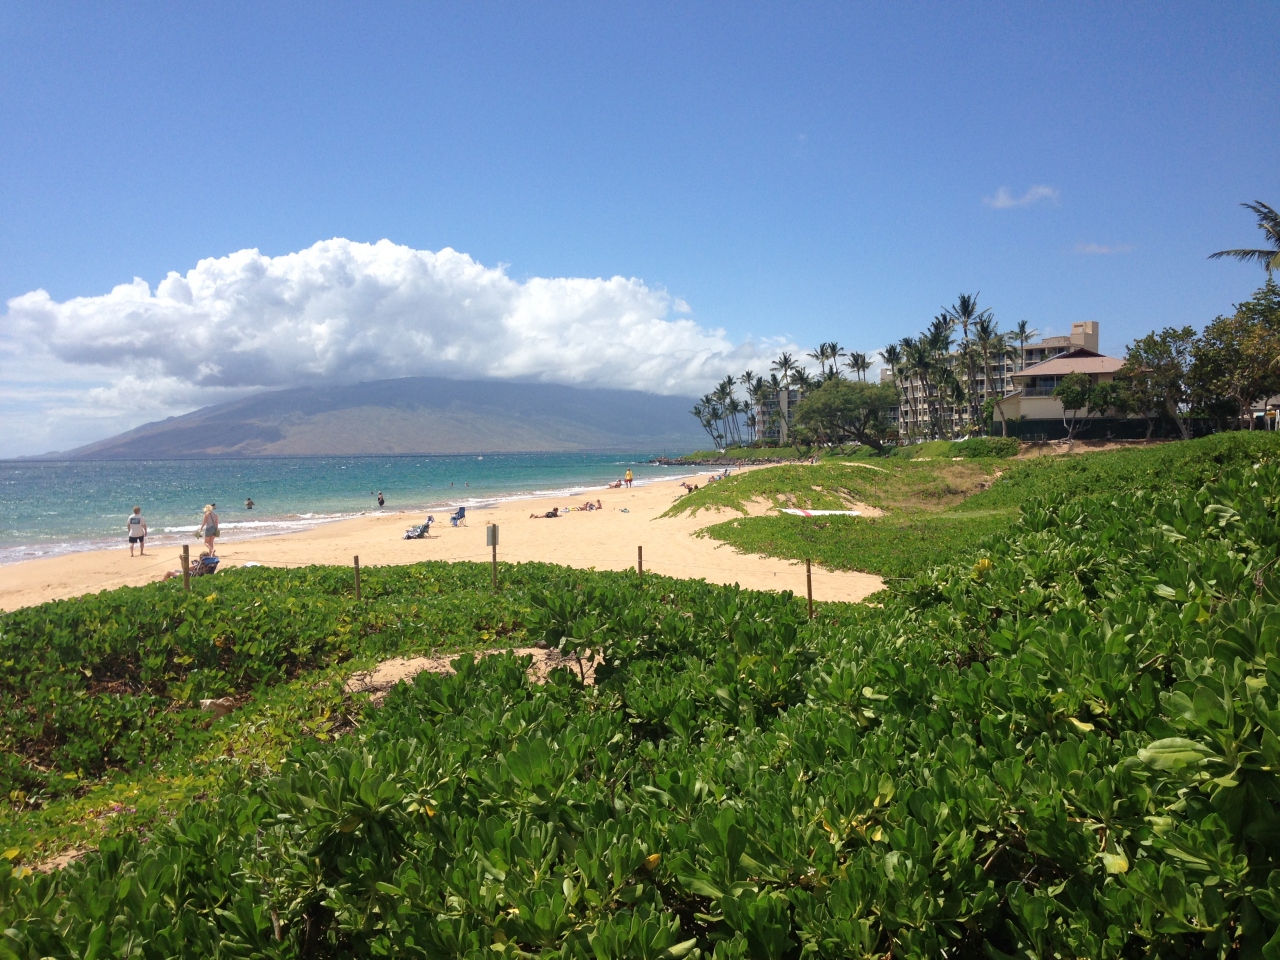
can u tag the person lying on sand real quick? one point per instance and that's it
(616, 486)
(550, 514)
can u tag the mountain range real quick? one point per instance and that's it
(413, 415)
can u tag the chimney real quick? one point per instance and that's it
(1085, 334)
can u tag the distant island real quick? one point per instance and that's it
(412, 415)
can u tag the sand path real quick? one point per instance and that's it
(604, 539)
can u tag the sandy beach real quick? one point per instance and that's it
(605, 539)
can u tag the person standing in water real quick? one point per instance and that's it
(137, 532)
(209, 529)
(628, 478)
(248, 503)
(381, 500)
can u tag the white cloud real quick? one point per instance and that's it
(1003, 199)
(1100, 249)
(339, 312)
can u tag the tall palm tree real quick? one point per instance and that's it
(819, 356)
(728, 404)
(921, 361)
(938, 336)
(988, 341)
(834, 353)
(859, 364)
(784, 365)
(950, 389)
(1269, 224)
(969, 360)
(1022, 333)
(891, 356)
(964, 311)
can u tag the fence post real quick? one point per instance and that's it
(640, 561)
(357, 566)
(808, 584)
(491, 538)
(186, 566)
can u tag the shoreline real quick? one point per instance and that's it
(172, 537)
(605, 539)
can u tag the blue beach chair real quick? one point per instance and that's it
(459, 518)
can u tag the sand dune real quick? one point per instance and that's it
(604, 539)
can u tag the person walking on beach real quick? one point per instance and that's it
(628, 478)
(137, 532)
(209, 529)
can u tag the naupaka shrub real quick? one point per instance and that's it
(1066, 748)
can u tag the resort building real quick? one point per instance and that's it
(775, 415)
(1032, 412)
(1019, 372)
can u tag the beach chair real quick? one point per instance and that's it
(204, 566)
(420, 531)
(459, 518)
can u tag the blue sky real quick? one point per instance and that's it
(809, 172)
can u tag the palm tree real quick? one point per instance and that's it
(835, 352)
(964, 312)
(988, 341)
(938, 336)
(784, 365)
(730, 408)
(892, 358)
(819, 356)
(969, 361)
(859, 364)
(921, 361)
(803, 382)
(1269, 224)
(708, 415)
(1022, 333)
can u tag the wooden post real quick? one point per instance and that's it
(491, 538)
(808, 584)
(186, 566)
(640, 561)
(357, 565)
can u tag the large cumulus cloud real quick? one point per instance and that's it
(341, 311)
(357, 311)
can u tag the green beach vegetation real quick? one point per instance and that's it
(1062, 743)
(936, 509)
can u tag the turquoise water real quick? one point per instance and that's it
(50, 507)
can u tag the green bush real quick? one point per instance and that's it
(1068, 748)
(111, 682)
(985, 447)
(889, 546)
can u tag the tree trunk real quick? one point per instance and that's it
(1182, 427)
(870, 441)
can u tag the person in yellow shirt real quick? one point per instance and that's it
(628, 478)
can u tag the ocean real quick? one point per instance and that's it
(53, 507)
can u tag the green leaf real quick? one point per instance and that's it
(1174, 753)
